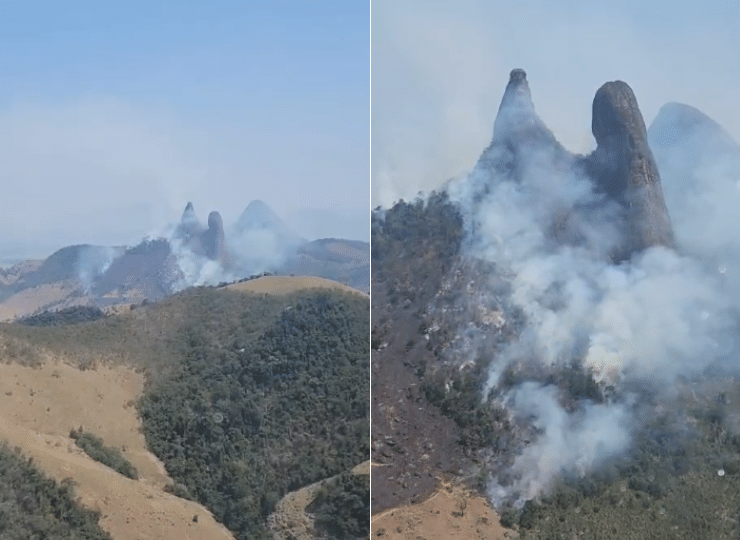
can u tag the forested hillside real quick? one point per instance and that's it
(249, 417)
(248, 396)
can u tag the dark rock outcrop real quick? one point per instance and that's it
(205, 242)
(190, 226)
(213, 239)
(623, 167)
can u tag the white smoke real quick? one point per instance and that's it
(258, 250)
(661, 314)
(569, 442)
(93, 262)
(249, 253)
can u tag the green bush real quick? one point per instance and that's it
(107, 455)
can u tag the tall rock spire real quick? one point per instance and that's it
(520, 137)
(213, 238)
(623, 167)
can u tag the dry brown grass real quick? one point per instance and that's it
(287, 284)
(452, 512)
(39, 407)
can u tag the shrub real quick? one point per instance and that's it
(107, 455)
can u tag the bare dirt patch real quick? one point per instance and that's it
(452, 512)
(39, 407)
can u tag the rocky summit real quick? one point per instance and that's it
(622, 168)
(520, 137)
(208, 242)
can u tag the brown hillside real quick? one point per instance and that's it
(452, 512)
(39, 407)
(289, 284)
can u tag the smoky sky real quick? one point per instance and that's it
(110, 122)
(439, 69)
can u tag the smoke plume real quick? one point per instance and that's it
(599, 282)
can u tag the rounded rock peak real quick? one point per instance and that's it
(215, 221)
(616, 113)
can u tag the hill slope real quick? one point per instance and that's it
(246, 397)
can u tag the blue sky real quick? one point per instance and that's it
(114, 114)
(440, 68)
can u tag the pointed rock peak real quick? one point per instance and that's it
(188, 215)
(519, 134)
(517, 92)
(260, 217)
(516, 119)
(257, 215)
(517, 75)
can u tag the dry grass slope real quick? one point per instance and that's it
(287, 284)
(452, 512)
(39, 407)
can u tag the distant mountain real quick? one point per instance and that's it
(192, 254)
(700, 166)
(258, 218)
(677, 124)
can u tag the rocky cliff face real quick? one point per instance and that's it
(205, 242)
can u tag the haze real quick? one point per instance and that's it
(440, 68)
(113, 116)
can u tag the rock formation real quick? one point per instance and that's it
(206, 242)
(213, 239)
(520, 138)
(258, 220)
(622, 167)
(190, 226)
(258, 215)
